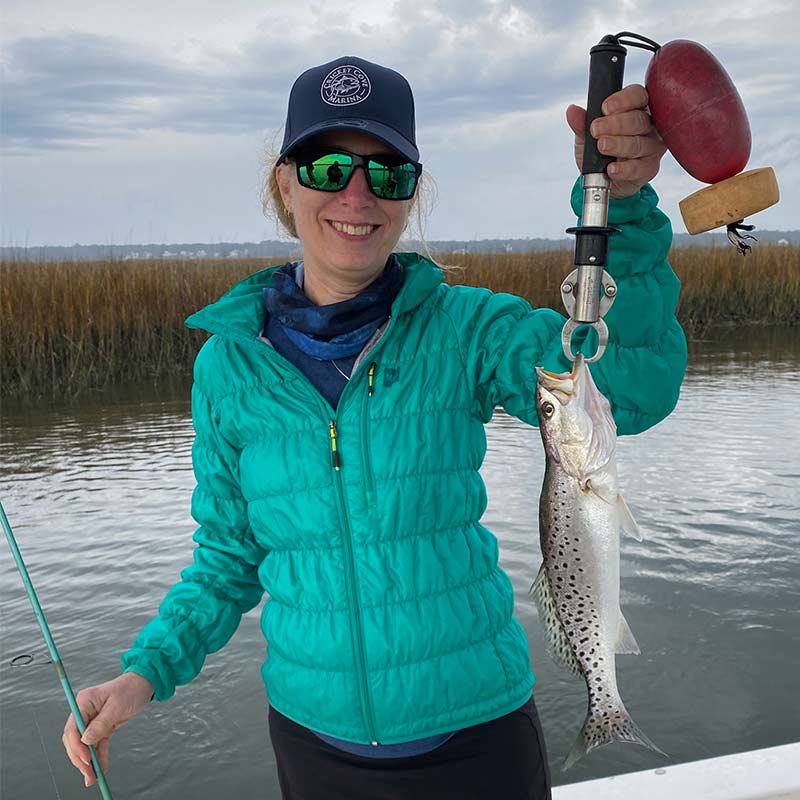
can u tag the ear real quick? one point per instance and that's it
(283, 177)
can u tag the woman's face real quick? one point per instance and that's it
(319, 216)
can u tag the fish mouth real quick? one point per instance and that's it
(563, 385)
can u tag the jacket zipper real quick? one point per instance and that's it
(366, 455)
(357, 633)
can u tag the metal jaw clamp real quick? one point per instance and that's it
(581, 292)
(569, 296)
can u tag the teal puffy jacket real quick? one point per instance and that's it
(388, 618)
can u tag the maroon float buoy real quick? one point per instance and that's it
(698, 111)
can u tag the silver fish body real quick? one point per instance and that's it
(581, 514)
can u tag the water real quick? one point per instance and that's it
(98, 496)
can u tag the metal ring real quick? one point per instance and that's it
(570, 326)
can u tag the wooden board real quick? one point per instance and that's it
(730, 200)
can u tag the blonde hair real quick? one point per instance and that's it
(274, 209)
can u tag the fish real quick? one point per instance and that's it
(581, 515)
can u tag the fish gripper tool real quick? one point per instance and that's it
(589, 291)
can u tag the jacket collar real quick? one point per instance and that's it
(239, 313)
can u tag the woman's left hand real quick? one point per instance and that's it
(626, 132)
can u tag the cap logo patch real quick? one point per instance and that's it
(345, 86)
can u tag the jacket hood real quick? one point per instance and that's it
(239, 313)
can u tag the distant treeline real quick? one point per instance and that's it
(66, 328)
(287, 250)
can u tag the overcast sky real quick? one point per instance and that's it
(144, 122)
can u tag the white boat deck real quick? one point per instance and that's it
(769, 774)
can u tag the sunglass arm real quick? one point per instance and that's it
(589, 291)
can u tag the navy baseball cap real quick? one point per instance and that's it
(352, 94)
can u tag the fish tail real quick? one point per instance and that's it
(598, 730)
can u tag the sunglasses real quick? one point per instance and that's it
(389, 177)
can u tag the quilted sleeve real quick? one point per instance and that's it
(645, 360)
(201, 612)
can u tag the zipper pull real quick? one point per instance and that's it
(337, 464)
(372, 367)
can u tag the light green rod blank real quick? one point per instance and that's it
(51, 646)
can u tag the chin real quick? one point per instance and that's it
(359, 259)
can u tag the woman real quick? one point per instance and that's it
(339, 407)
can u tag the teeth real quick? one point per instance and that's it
(353, 230)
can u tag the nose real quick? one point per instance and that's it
(357, 190)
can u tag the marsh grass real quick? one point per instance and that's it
(70, 327)
(718, 286)
(67, 328)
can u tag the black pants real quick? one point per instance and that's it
(503, 759)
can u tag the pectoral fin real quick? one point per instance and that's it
(627, 522)
(600, 487)
(626, 643)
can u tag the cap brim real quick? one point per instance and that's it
(380, 131)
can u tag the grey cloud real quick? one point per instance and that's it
(462, 65)
(778, 151)
(74, 89)
(83, 54)
(61, 91)
(450, 10)
(556, 15)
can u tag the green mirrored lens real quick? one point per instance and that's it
(390, 177)
(329, 173)
(392, 181)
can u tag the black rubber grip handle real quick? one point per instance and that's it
(606, 70)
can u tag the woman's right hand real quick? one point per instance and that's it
(104, 708)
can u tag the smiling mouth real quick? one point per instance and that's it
(359, 231)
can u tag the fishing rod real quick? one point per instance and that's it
(701, 119)
(51, 646)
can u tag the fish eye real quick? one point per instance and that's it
(548, 408)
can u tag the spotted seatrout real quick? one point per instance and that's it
(581, 513)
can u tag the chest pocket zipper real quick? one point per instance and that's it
(365, 434)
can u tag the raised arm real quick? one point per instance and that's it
(645, 361)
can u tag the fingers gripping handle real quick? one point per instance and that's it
(606, 70)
